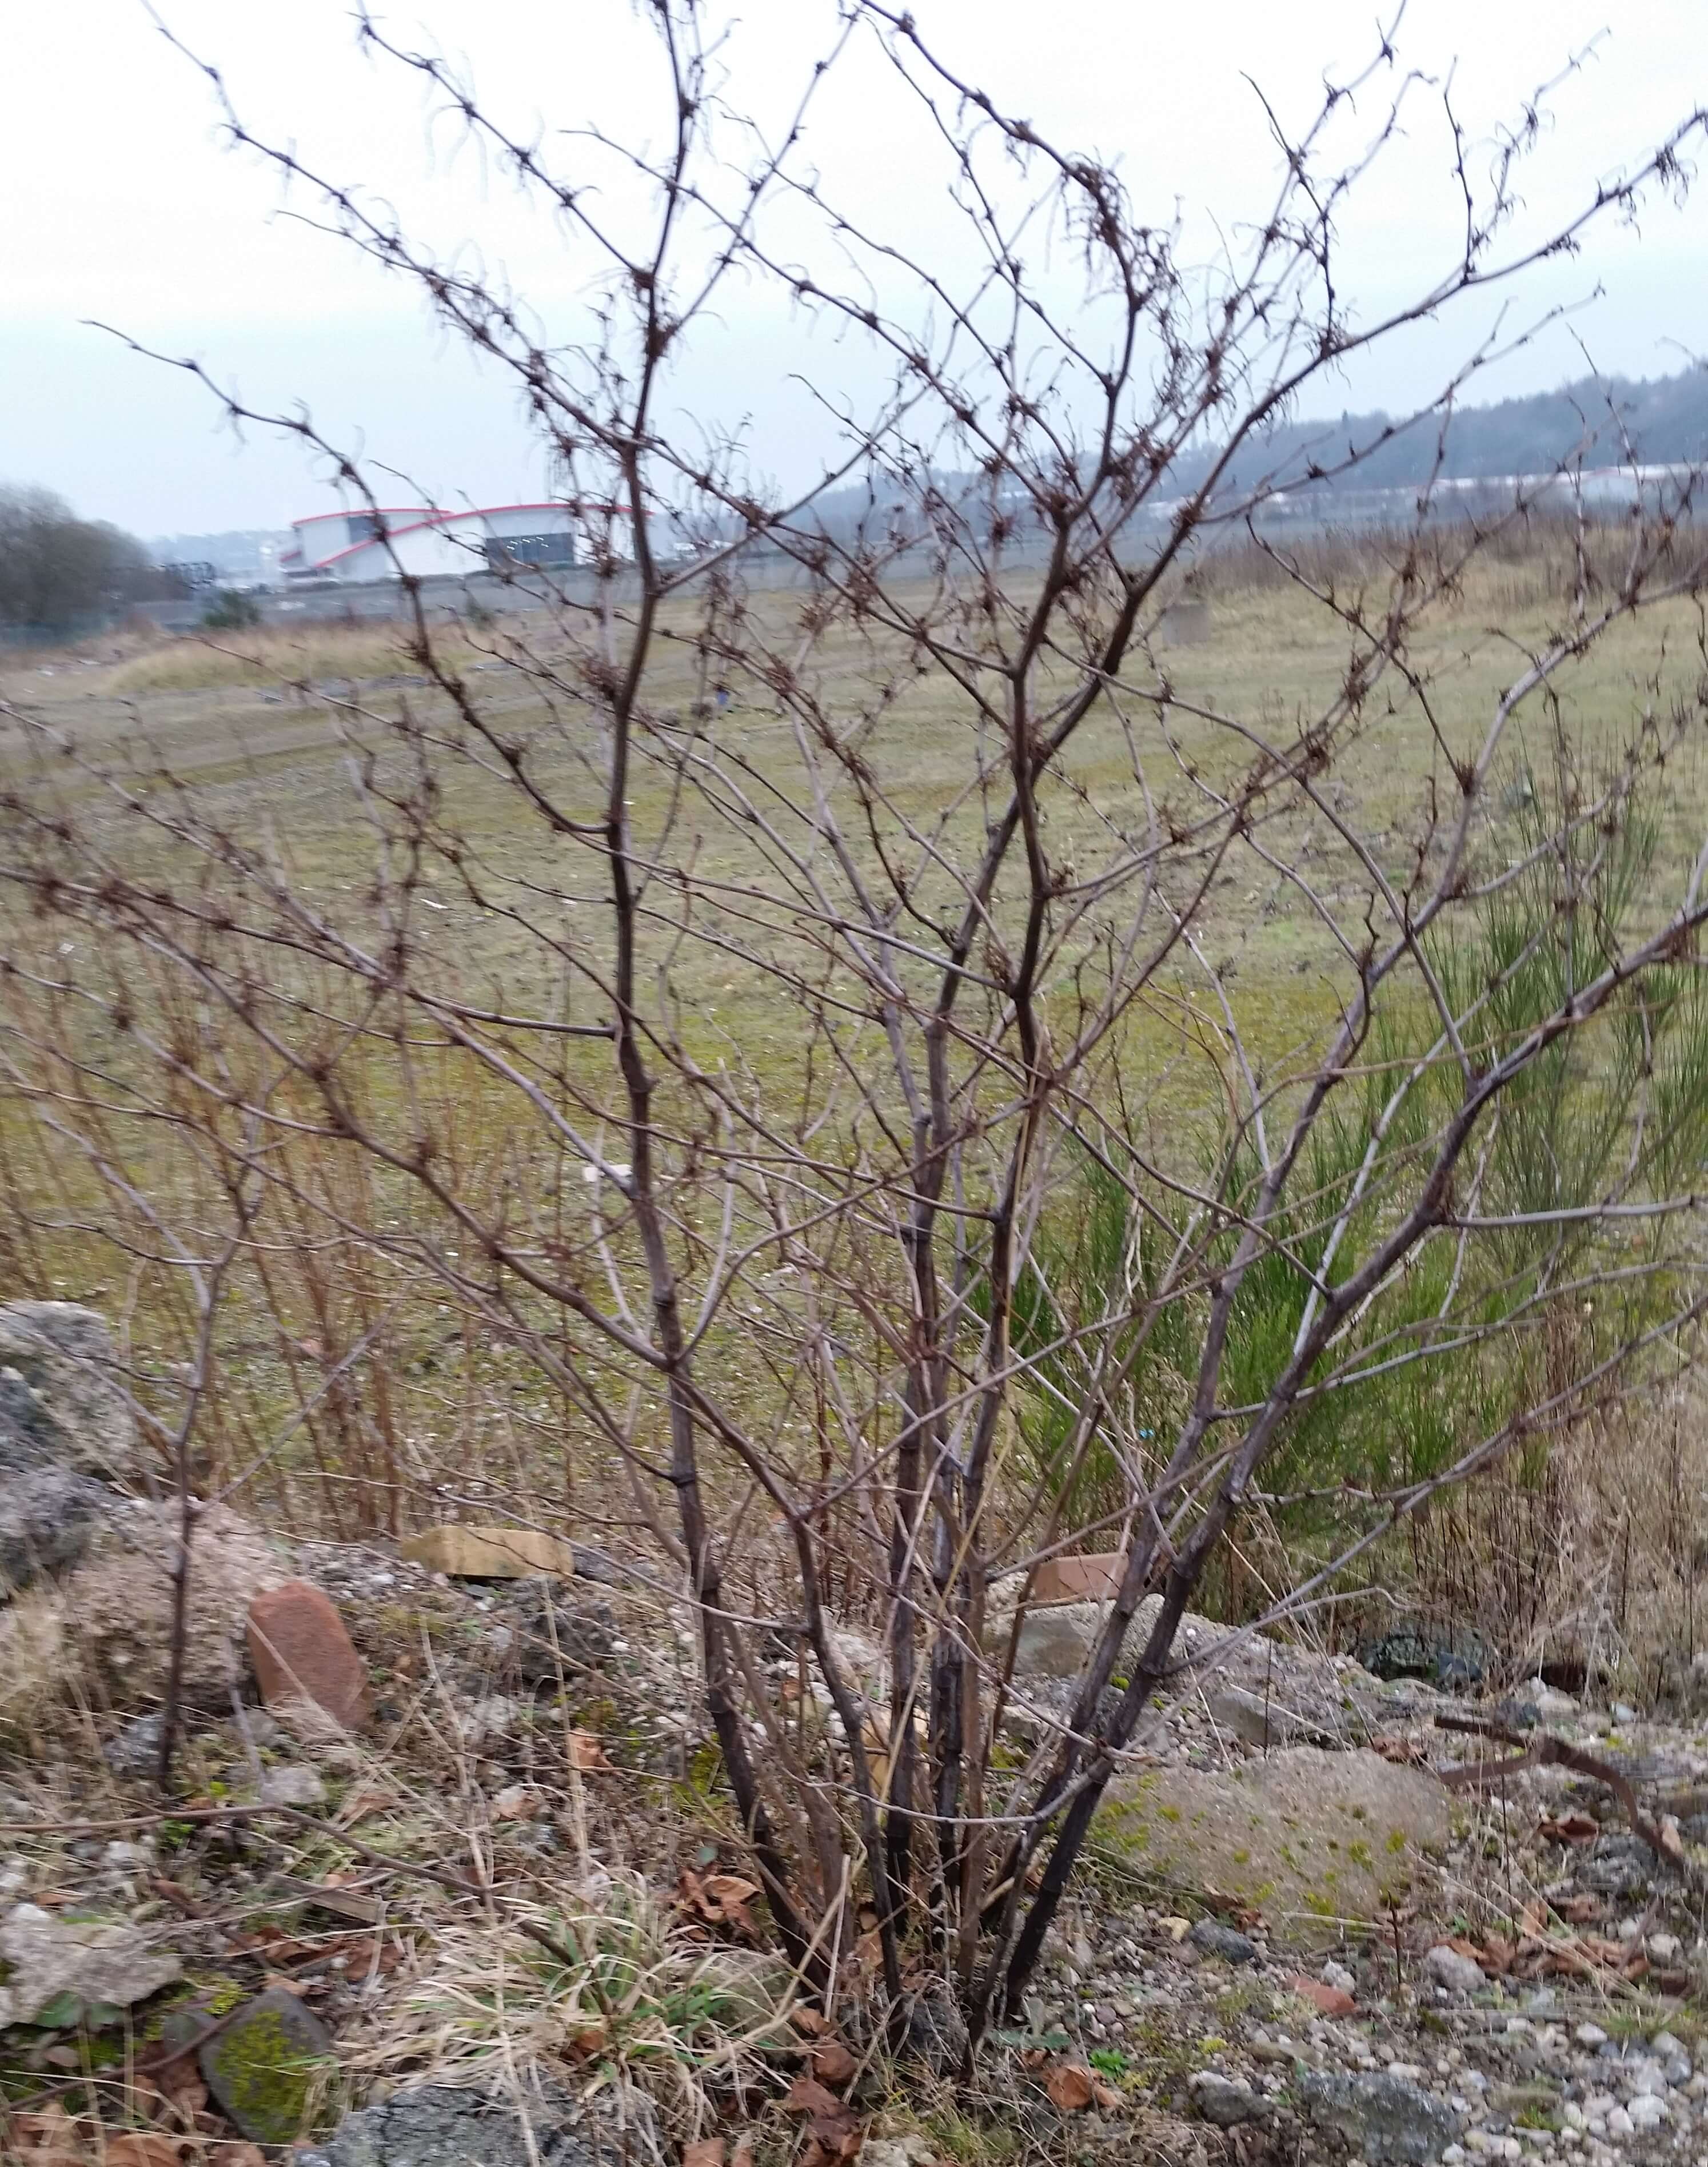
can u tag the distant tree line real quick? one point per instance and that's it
(57, 569)
(1603, 420)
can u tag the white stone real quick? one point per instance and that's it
(1337, 1976)
(1590, 2036)
(47, 1958)
(1620, 2125)
(1572, 2115)
(1647, 2111)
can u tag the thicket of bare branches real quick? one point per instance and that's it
(825, 948)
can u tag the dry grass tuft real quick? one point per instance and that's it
(634, 2006)
(276, 655)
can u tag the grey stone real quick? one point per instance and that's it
(61, 1404)
(1387, 2117)
(65, 1431)
(1216, 1940)
(47, 1515)
(45, 1957)
(1316, 1838)
(292, 1786)
(937, 2033)
(1461, 1974)
(575, 1637)
(118, 1605)
(1269, 1722)
(595, 1565)
(266, 2066)
(436, 2125)
(135, 1750)
(1225, 2100)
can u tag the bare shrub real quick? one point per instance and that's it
(674, 1105)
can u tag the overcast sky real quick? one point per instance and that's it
(121, 204)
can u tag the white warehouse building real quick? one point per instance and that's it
(421, 543)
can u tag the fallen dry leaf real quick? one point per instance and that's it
(240, 2154)
(743, 2156)
(53, 2129)
(589, 2040)
(1671, 1841)
(812, 2022)
(832, 2063)
(703, 2152)
(1070, 2086)
(721, 1900)
(518, 1802)
(184, 2088)
(807, 2095)
(1570, 1828)
(369, 1799)
(586, 1752)
(142, 2147)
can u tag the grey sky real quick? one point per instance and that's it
(120, 204)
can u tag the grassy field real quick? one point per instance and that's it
(266, 734)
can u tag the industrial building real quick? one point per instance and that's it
(354, 549)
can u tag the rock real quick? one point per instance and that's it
(937, 2033)
(1331, 2000)
(1337, 1976)
(66, 1431)
(1387, 2117)
(1216, 1940)
(265, 2066)
(294, 1785)
(436, 2125)
(1460, 1974)
(135, 1750)
(1056, 1638)
(1673, 2056)
(493, 1715)
(1225, 2100)
(117, 1606)
(1451, 1657)
(1647, 2111)
(1551, 1705)
(61, 1403)
(558, 1636)
(47, 1516)
(593, 1564)
(302, 1652)
(90, 1964)
(1268, 1722)
(1523, 2099)
(496, 1553)
(1093, 1576)
(1316, 1838)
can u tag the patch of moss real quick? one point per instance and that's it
(265, 2080)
